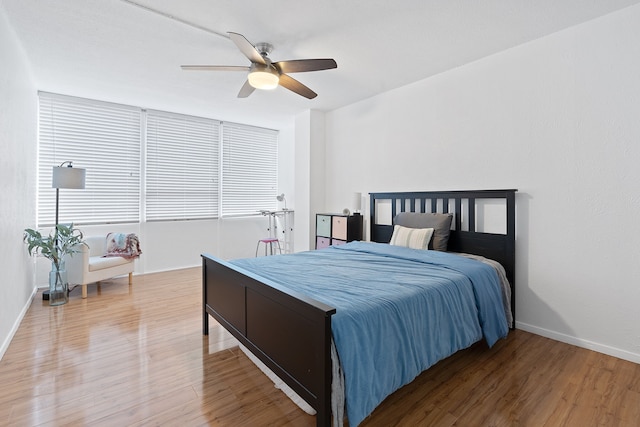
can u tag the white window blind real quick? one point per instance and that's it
(182, 158)
(104, 139)
(177, 178)
(249, 169)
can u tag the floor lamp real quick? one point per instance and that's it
(64, 177)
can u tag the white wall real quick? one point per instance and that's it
(309, 173)
(557, 119)
(17, 165)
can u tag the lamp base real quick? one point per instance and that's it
(45, 295)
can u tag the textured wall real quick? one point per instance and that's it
(556, 118)
(17, 175)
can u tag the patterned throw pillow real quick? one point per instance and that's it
(414, 238)
(123, 245)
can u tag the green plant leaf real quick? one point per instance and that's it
(63, 241)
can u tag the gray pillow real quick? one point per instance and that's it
(440, 222)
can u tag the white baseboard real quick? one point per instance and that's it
(16, 324)
(578, 342)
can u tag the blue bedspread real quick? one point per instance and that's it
(399, 310)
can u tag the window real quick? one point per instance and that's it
(104, 139)
(249, 169)
(151, 165)
(182, 167)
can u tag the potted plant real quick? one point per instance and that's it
(62, 241)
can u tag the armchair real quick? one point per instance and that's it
(89, 266)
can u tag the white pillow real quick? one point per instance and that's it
(414, 238)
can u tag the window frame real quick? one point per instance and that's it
(74, 201)
(66, 126)
(180, 182)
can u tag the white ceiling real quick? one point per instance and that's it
(117, 51)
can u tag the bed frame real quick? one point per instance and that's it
(291, 333)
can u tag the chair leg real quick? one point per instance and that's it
(84, 291)
(130, 279)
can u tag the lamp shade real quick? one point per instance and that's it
(281, 198)
(357, 201)
(263, 77)
(68, 177)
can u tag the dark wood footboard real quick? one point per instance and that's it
(288, 332)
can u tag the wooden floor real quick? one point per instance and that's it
(137, 357)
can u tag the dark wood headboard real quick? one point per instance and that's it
(499, 247)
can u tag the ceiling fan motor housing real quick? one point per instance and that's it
(264, 48)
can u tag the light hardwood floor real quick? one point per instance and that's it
(136, 356)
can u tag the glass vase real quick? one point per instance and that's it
(58, 284)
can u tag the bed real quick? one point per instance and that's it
(289, 328)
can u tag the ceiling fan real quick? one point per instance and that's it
(265, 74)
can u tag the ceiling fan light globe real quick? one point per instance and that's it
(263, 79)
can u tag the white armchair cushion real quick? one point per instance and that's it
(100, 263)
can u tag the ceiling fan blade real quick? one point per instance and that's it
(215, 67)
(301, 65)
(247, 48)
(297, 87)
(245, 90)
